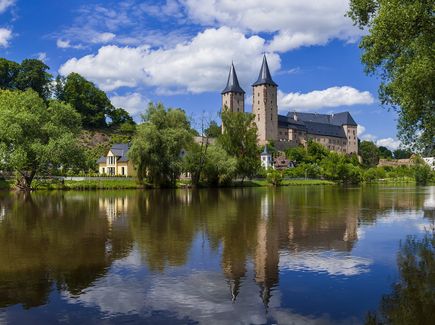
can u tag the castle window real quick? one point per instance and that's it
(258, 102)
(258, 116)
(271, 117)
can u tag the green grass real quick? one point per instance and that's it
(290, 182)
(86, 185)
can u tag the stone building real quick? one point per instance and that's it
(337, 132)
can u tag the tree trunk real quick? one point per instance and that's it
(25, 181)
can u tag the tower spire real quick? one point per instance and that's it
(233, 82)
(264, 78)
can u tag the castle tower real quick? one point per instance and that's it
(233, 96)
(265, 105)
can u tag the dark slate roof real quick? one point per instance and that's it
(340, 119)
(120, 150)
(290, 123)
(265, 151)
(233, 83)
(101, 160)
(264, 78)
(325, 129)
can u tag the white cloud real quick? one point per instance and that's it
(331, 97)
(196, 66)
(102, 37)
(5, 4)
(66, 44)
(295, 23)
(134, 103)
(360, 130)
(42, 56)
(5, 37)
(390, 143)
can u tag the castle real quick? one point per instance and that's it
(337, 132)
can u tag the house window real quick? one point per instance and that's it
(122, 171)
(103, 170)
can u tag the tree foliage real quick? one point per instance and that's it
(158, 143)
(213, 130)
(385, 153)
(34, 137)
(369, 153)
(239, 140)
(31, 73)
(400, 49)
(91, 102)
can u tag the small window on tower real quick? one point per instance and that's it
(258, 102)
(271, 117)
(258, 116)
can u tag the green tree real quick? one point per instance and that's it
(8, 74)
(274, 177)
(385, 153)
(158, 143)
(213, 130)
(119, 116)
(297, 154)
(91, 102)
(369, 153)
(35, 138)
(239, 140)
(33, 74)
(316, 151)
(402, 154)
(400, 49)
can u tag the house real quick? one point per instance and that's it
(266, 159)
(116, 162)
(337, 132)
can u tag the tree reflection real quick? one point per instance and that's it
(412, 300)
(54, 239)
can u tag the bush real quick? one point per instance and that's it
(422, 174)
(274, 177)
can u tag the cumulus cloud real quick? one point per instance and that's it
(331, 97)
(134, 103)
(196, 66)
(5, 4)
(5, 37)
(360, 130)
(390, 143)
(42, 56)
(294, 23)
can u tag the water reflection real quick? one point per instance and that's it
(196, 255)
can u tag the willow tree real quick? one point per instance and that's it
(399, 48)
(36, 137)
(157, 146)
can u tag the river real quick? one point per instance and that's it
(291, 255)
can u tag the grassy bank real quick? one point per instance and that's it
(290, 182)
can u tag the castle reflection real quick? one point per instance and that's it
(69, 240)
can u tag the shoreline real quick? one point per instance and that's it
(130, 184)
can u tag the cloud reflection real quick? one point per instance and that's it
(332, 263)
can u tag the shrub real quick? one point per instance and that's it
(274, 177)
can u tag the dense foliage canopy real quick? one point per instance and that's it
(36, 136)
(400, 48)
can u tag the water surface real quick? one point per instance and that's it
(302, 255)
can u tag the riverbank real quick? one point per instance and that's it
(124, 184)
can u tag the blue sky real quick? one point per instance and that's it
(179, 52)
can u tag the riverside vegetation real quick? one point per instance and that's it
(48, 127)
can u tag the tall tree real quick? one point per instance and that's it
(369, 153)
(157, 146)
(402, 154)
(33, 74)
(239, 140)
(91, 102)
(213, 130)
(35, 138)
(119, 116)
(385, 153)
(400, 49)
(8, 74)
